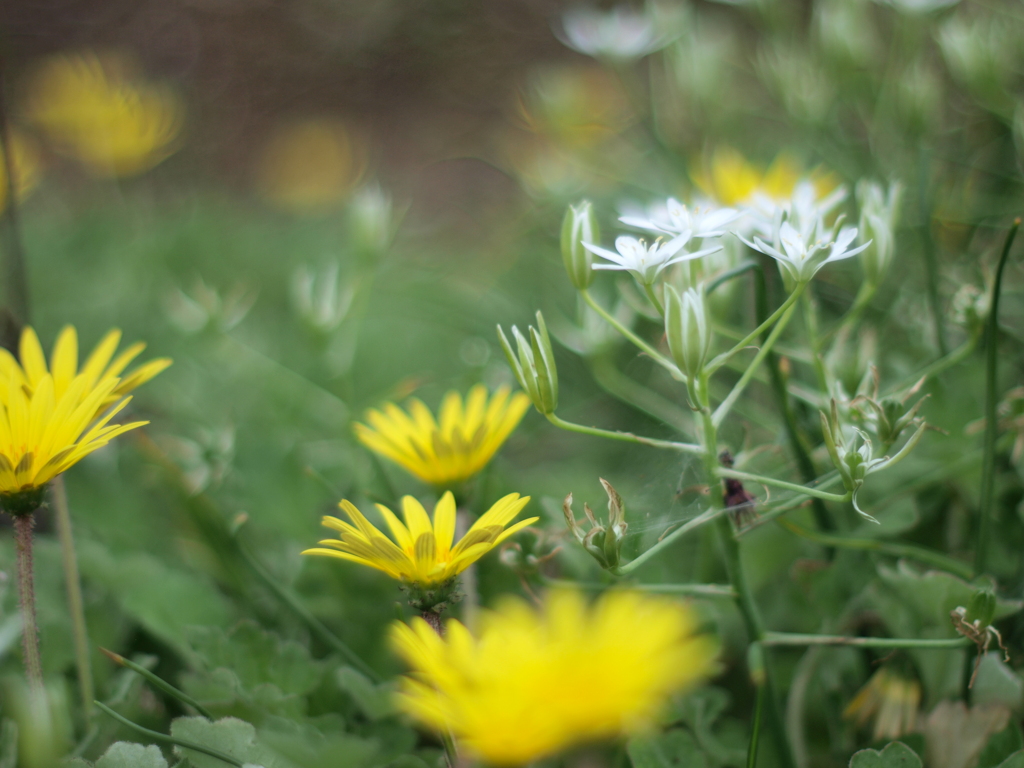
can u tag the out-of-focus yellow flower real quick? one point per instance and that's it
(731, 179)
(891, 699)
(579, 107)
(424, 553)
(97, 110)
(309, 165)
(46, 415)
(531, 684)
(450, 451)
(26, 166)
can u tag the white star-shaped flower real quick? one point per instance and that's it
(621, 33)
(645, 261)
(801, 255)
(675, 218)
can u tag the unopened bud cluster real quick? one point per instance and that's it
(604, 539)
(578, 227)
(688, 329)
(533, 364)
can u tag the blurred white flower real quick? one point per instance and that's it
(878, 211)
(205, 307)
(373, 221)
(675, 218)
(643, 261)
(621, 33)
(322, 298)
(802, 254)
(803, 209)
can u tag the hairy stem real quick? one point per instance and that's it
(750, 478)
(627, 437)
(23, 525)
(789, 638)
(73, 582)
(654, 354)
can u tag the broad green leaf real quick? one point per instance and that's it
(376, 701)
(230, 735)
(1001, 746)
(123, 754)
(1016, 760)
(673, 749)
(997, 683)
(894, 755)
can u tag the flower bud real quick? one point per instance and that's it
(579, 226)
(321, 298)
(534, 366)
(372, 222)
(981, 608)
(604, 540)
(688, 329)
(878, 212)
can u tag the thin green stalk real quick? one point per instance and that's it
(622, 387)
(928, 251)
(315, 625)
(76, 606)
(985, 503)
(790, 638)
(667, 541)
(696, 590)
(653, 297)
(723, 409)
(808, 471)
(812, 492)
(856, 310)
(954, 357)
(755, 729)
(733, 273)
(654, 354)
(627, 437)
(811, 323)
(895, 549)
(747, 340)
(23, 525)
(165, 739)
(158, 682)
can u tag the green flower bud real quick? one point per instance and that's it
(981, 607)
(688, 329)
(878, 213)
(604, 539)
(534, 365)
(579, 226)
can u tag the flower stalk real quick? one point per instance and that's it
(23, 524)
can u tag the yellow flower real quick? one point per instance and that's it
(454, 450)
(94, 109)
(731, 180)
(48, 421)
(892, 699)
(532, 683)
(424, 553)
(26, 164)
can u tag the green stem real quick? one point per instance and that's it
(660, 359)
(954, 357)
(803, 459)
(723, 409)
(894, 549)
(157, 682)
(985, 503)
(790, 638)
(813, 492)
(667, 541)
(627, 437)
(27, 600)
(928, 251)
(811, 322)
(622, 387)
(76, 606)
(755, 729)
(853, 314)
(733, 273)
(315, 625)
(747, 340)
(653, 297)
(696, 590)
(165, 739)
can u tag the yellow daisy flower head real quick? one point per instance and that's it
(422, 552)
(48, 419)
(97, 109)
(531, 683)
(456, 445)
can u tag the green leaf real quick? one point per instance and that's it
(895, 755)
(376, 701)
(123, 754)
(672, 749)
(1001, 746)
(1016, 760)
(998, 684)
(231, 735)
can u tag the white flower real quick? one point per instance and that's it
(918, 6)
(878, 211)
(801, 255)
(645, 261)
(803, 209)
(675, 218)
(621, 33)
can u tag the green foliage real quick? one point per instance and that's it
(675, 748)
(894, 755)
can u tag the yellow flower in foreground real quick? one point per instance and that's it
(424, 553)
(531, 684)
(96, 110)
(49, 417)
(450, 451)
